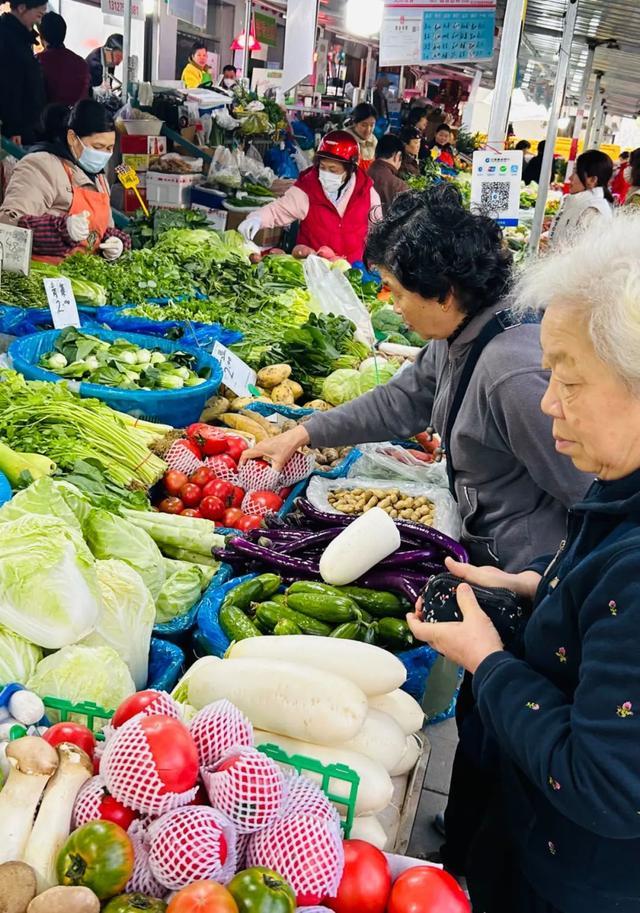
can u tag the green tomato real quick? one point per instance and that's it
(131, 903)
(98, 855)
(261, 890)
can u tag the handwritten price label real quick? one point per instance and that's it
(62, 303)
(237, 375)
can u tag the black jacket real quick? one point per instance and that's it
(22, 93)
(567, 717)
(96, 70)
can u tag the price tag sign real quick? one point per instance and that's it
(62, 303)
(237, 375)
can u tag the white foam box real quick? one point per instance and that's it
(171, 190)
(217, 218)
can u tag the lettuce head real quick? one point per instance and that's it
(18, 658)
(341, 386)
(180, 593)
(110, 536)
(46, 498)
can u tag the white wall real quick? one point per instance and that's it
(86, 30)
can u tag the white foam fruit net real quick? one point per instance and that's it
(163, 704)
(142, 880)
(247, 786)
(242, 844)
(302, 795)
(217, 728)
(130, 774)
(192, 844)
(304, 850)
(87, 805)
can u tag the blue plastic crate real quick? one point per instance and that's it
(181, 625)
(172, 407)
(191, 332)
(6, 492)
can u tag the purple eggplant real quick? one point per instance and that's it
(320, 517)
(395, 581)
(409, 557)
(274, 560)
(311, 541)
(429, 535)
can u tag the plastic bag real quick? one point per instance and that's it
(256, 123)
(447, 516)
(389, 461)
(224, 169)
(280, 161)
(250, 165)
(332, 293)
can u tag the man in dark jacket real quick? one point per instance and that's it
(66, 75)
(22, 96)
(113, 45)
(384, 171)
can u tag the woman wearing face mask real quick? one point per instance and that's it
(333, 200)
(59, 190)
(229, 78)
(633, 179)
(410, 165)
(589, 197)
(196, 74)
(363, 122)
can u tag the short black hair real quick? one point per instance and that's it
(434, 247)
(85, 118)
(388, 146)
(114, 42)
(53, 29)
(523, 145)
(196, 46)
(596, 164)
(363, 111)
(229, 67)
(634, 164)
(624, 155)
(416, 114)
(407, 134)
(443, 126)
(30, 4)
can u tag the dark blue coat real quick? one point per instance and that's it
(567, 717)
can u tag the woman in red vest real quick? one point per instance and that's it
(334, 201)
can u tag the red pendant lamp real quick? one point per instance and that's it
(251, 43)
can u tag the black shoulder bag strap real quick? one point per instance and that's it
(503, 320)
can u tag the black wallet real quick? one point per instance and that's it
(509, 617)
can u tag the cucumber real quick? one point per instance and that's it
(244, 594)
(268, 614)
(286, 626)
(235, 623)
(348, 631)
(370, 634)
(281, 599)
(334, 609)
(394, 632)
(377, 602)
(313, 586)
(270, 584)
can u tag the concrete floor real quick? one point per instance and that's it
(443, 738)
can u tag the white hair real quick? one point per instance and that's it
(598, 277)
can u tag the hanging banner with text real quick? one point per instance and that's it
(116, 8)
(436, 31)
(266, 29)
(299, 42)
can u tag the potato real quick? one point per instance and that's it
(318, 404)
(17, 887)
(273, 375)
(295, 387)
(282, 394)
(65, 900)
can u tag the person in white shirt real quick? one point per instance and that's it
(589, 197)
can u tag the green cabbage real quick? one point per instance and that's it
(180, 592)
(109, 536)
(18, 658)
(341, 386)
(372, 375)
(127, 618)
(49, 592)
(45, 498)
(79, 673)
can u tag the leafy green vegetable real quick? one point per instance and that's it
(80, 673)
(88, 477)
(127, 618)
(180, 593)
(376, 374)
(109, 536)
(18, 657)
(49, 591)
(45, 498)
(341, 386)
(192, 534)
(136, 276)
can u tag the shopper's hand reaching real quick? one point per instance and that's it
(112, 248)
(278, 450)
(524, 584)
(251, 226)
(78, 226)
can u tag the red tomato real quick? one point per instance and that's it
(236, 447)
(133, 705)
(173, 481)
(366, 880)
(112, 810)
(260, 464)
(247, 522)
(231, 517)
(219, 489)
(222, 462)
(171, 506)
(268, 500)
(191, 447)
(285, 492)
(174, 752)
(203, 897)
(212, 446)
(202, 476)
(71, 732)
(238, 496)
(196, 428)
(192, 512)
(425, 889)
(212, 508)
(191, 494)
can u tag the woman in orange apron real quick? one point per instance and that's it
(59, 190)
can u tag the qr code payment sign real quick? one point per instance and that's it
(494, 196)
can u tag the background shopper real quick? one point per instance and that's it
(22, 92)
(66, 75)
(384, 171)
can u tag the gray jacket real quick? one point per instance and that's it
(512, 487)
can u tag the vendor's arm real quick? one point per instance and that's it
(581, 752)
(293, 206)
(30, 197)
(375, 213)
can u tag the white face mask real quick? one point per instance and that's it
(228, 83)
(331, 183)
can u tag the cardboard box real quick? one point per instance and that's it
(131, 202)
(171, 190)
(143, 145)
(217, 218)
(266, 237)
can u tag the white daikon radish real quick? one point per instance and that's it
(375, 790)
(372, 669)
(297, 700)
(380, 739)
(410, 757)
(369, 829)
(359, 547)
(404, 709)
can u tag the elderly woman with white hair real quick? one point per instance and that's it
(565, 713)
